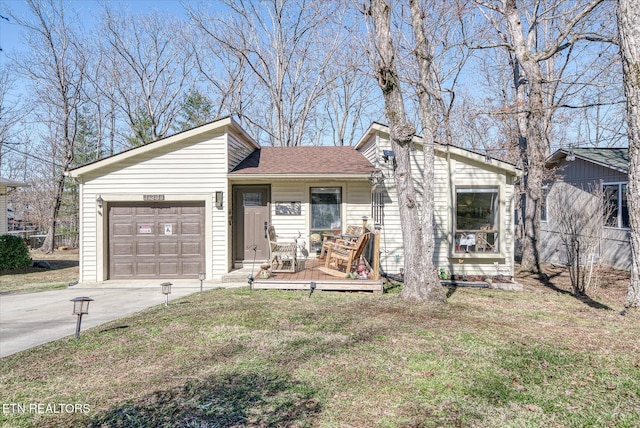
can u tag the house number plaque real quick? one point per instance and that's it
(153, 197)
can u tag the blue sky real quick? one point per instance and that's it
(12, 39)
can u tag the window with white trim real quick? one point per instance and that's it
(615, 195)
(544, 215)
(477, 226)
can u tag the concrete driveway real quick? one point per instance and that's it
(31, 319)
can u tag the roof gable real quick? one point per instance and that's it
(191, 134)
(614, 158)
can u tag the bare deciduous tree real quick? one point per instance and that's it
(8, 113)
(288, 47)
(56, 70)
(151, 66)
(534, 34)
(629, 28)
(420, 280)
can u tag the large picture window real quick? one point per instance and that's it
(476, 220)
(615, 195)
(325, 213)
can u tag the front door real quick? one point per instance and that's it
(250, 214)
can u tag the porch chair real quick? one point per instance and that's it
(342, 257)
(282, 254)
(351, 234)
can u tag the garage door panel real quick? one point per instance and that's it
(156, 239)
(118, 211)
(123, 269)
(190, 210)
(191, 228)
(123, 249)
(169, 269)
(141, 211)
(167, 211)
(190, 268)
(146, 268)
(190, 249)
(123, 229)
(145, 248)
(168, 248)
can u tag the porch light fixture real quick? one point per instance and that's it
(201, 277)
(387, 154)
(376, 177)
(166, 290)
(218, 199)
(80, 307)
(99, 201)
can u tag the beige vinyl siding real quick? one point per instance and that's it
(239, 149)
(450, 170)
(288, 227)
(356, 203)
(370, 150)
(181, 170)
(468, 172)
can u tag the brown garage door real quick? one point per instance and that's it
(156, 240)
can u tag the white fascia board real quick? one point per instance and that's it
(293, 177)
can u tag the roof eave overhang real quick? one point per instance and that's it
(11, 183)
(442, 148)
(507, 167)
(289, 177)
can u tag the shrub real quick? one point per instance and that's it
(14, 253)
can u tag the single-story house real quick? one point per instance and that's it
(577, 173)
(5, 186)
(201, 200)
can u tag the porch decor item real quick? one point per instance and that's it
(342, 257)
(283, 254)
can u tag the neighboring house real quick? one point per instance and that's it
(577, 173)
(6, 185)
(200, 201)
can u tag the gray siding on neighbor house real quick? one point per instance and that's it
(583, 177)
(583, 173)
(3, 210)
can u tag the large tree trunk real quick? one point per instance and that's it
(629, 27)
(418, 280)
(533, 145)
(431, 288)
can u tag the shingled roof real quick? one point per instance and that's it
(304, 160)
(615, 158)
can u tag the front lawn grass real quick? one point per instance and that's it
(63, 270)
(235, 358)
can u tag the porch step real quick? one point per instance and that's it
(240, 275)
(326, 285)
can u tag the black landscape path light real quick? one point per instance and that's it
(80, 307)
(201, 277)
(166, 290)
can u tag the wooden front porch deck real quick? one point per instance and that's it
(307, 273)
